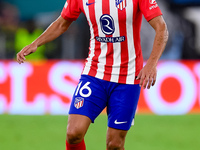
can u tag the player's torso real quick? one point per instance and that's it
(112, 44)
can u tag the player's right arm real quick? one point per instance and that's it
(58, 27)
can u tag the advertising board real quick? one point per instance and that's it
(46, 87)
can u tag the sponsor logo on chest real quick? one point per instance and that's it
(108, 28)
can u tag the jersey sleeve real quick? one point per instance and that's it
(150, 9)
(71, 10)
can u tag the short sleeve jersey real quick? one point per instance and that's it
(115, 51)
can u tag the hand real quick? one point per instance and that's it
(147, 76)
(24, 52)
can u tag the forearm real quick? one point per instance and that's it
(160, 41)
(57, 28)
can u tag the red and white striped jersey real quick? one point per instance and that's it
(115, 51)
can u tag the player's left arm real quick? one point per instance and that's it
(148, 74)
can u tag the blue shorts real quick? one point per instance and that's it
(92, 95)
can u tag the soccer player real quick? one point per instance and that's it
(113, 72)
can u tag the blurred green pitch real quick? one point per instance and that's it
(150, 132)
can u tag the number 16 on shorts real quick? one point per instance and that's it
(83, 90)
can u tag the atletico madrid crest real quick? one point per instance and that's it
(120, 4)
(79, 101)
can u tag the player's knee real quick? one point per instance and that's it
(74, 136)
(114, 145)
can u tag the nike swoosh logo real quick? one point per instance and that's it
(116, 122)
(88, 4)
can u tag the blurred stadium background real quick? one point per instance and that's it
(35, 96)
